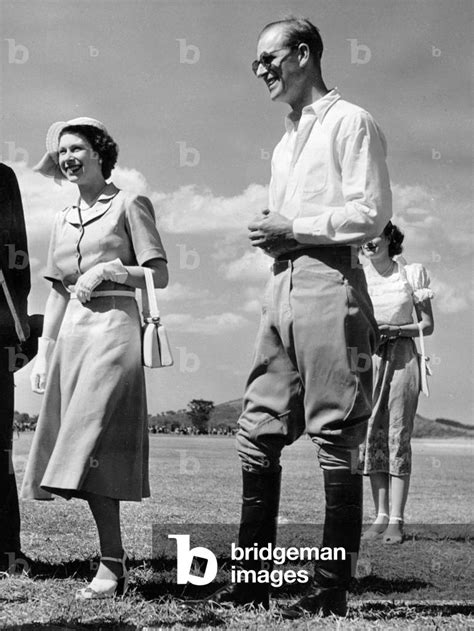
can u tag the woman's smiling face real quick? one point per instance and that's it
(77, 160)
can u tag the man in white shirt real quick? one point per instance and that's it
(312, 372)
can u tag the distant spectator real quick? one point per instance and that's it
(396, 290)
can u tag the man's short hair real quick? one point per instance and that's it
(299, 30)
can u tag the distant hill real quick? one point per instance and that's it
(224, 419)
(228, 413)
(441, 428)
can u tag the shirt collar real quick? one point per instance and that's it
(318, 108)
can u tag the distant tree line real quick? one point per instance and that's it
(198, 418)
(202, 417)
(23, 422)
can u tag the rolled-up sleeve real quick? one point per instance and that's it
(360, 151)
(141, 227)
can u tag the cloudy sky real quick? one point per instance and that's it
(172, 82)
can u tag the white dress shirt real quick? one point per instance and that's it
(329, 174)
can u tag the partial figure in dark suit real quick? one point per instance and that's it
(16, 271)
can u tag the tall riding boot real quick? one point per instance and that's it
(342, 529)
(258, 524)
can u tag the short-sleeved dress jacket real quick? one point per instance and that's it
(91, 433)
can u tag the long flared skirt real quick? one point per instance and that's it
(91, 434)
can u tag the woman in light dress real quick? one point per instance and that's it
(91, 440)
(401, 297)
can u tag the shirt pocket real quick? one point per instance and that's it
(314, 168)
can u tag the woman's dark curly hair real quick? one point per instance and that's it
(100, 142)
(395, 239)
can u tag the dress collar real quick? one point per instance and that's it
(101, 206)
(109, 191)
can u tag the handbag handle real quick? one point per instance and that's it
(401, 267)
(149, 304)
(422, 339)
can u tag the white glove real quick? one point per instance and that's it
(41, 365)
(113, 270)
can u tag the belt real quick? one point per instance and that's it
(112, 292)
(330, 255)
(392, 339)
(317, 251)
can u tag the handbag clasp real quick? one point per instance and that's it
(152, 320)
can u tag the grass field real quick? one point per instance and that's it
(424, 583)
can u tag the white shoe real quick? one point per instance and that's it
(100, 588)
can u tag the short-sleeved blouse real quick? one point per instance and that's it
(119, 225)
(394, 296)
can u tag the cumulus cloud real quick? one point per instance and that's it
(229, 246)
(178, 291)
(436, 229)
(209, 325)
(194, 210)
(251, 266)
(449, 298)
(414, 212)
(252, 299)
(253, 305)
(130, 180)
(42, 198)
(410, 198)
(426, 221)
(187, 210)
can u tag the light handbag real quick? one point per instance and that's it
(156, 352)
(423, 359)
(425, 370)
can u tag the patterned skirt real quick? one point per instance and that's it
(387, 447)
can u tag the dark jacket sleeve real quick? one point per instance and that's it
(14, 259)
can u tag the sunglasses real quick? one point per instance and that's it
(266, 59)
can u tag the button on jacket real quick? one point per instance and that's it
(119, 225)
(329, 174)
